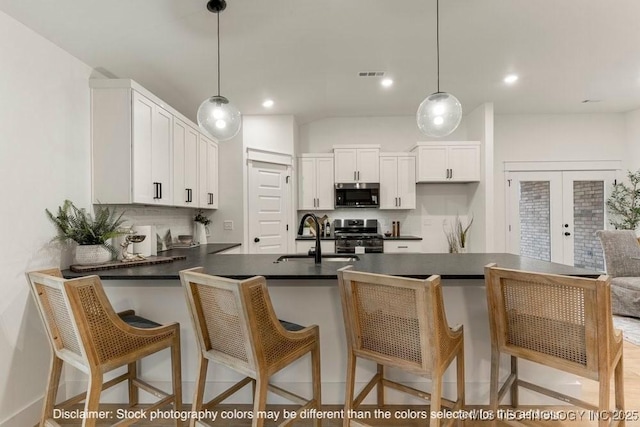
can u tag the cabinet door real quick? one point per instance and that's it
(306, 183)
(432, 164)
(144, 190)
(209, 173)
(406, 182)
(325, 186)
(399, 246)
(368, 165)
(346, 164)
(464, 163)
(388, 182)
(161, 147)
(185, 164)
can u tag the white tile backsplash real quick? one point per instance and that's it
(164, 218)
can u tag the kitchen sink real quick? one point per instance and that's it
(328, 258)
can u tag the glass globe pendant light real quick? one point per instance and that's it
(440, 113)
(216, 115)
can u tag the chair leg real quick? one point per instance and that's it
(198, 394)
(92, 402)
(380, 387)
(260, 399)
(53, 383)
(436, 396)
(514, 386)
(460, 381)
(618, 374)
(134, 394)
(176, 376)
(604, 396)
(350, 386)
(317, 381)
(493, 385)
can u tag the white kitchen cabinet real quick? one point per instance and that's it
(208, 156)
(185, 164)
(326, 246)
(400, 246)
(357, 165)
(132, 148)
(315, 183)
(397, 181)
(448, 161)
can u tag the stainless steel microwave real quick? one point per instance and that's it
(358, 195)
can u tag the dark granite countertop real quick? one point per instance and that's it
(449, 266)
(403, 238)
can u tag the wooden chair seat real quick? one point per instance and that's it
(236, 327)
(86, 333)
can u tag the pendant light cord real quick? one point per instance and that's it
(218, 16)
(437, 41)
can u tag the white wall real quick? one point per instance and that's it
(270, 133)
(559, 137)
(44, 158)
(397, 133)
(632, 128)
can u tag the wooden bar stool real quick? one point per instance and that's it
(399, 322)
(85, 332)
(557, 321)
(236, 326)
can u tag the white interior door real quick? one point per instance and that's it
(553, 215)
(268, 207)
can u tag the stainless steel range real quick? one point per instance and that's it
(351, 233)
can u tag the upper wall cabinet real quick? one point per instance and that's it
(185, 164)
(397, 181)
(315, 186)
(448, 161)
(143, 150)
(359, 164)
(208, 157)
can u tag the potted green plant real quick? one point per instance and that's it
(92, 234)
(462, 232)
(624, 203)
(200, 227)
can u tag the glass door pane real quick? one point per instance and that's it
(585, 194)
(535, 220)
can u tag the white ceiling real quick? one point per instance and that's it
(306, 54)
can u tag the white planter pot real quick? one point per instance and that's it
(200, 233)
(92, 254)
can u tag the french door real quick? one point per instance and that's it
(553, 215)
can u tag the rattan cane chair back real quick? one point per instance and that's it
(237, 327)
(399, 322)
(558, 321)
(86, 332)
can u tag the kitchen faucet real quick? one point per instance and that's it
(318, 253)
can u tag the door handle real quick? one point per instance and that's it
(566, 233)
(396, 201)
(358, 175)
(354, 176)
(156, 190)
(160, 193)
(257, 239)
(451, 173)
(399, 201)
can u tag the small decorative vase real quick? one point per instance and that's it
(200, 233)
(92, 254)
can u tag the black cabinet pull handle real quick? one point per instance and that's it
(160, 192)
(156, 191)
(566, 233)
(451, 173)
(399, 201)
(257, 239)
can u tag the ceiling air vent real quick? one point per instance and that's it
(371, 73)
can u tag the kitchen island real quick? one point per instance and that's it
(306, 293)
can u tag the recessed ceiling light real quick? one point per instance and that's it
(511, 78)
(268, 103)
(386, 82)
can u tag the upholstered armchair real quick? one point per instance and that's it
(622, 258)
